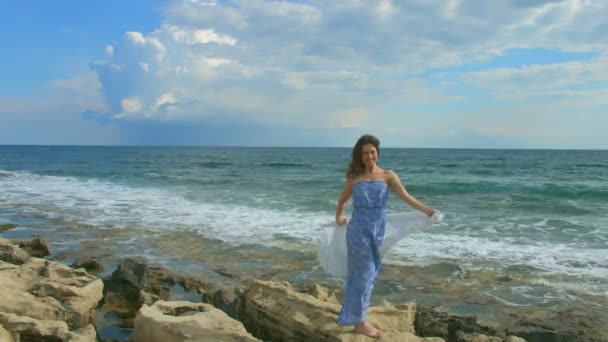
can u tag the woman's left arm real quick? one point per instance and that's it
(395, 183)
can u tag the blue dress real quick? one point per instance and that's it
(364, 235)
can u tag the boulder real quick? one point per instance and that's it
(433, 323)
(569, 325)
(135, 283)
(90, 265)
(276, 312)
(42, 298)
(7, 226)
(12, 254)
(24, 328)
(187, 321)
(36, 247)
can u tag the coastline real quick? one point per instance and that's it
(220, 285)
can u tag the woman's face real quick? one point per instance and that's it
(369, 155)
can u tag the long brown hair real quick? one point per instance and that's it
(356, 167)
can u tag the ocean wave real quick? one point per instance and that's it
(549, 258)
(104, 204)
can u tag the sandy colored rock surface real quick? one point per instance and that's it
(45, 299)
(276, 312)
(5, 335)
(11, 253)
(186, 321)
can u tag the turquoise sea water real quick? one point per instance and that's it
(541, 213)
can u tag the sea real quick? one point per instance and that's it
(523, 229)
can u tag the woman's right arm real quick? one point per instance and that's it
(348, 190)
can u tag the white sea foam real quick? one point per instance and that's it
(110, 205)
(551, 258)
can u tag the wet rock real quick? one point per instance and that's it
(135, 283)
(276, 312)
(222, 299)
(36, 247)
(186, 321)
(60, 256)
(562, 326)
(7, 226)
(90, 265)
(225, 273)
(433, 323)
(128, 287)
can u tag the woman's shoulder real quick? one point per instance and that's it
(390, 176)
(389, 173)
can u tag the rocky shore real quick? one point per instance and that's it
(45, 300)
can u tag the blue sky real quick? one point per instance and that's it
(433, 73)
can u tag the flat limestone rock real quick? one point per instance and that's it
(276, 312)
(23, 328)
(45, 298)
(186, 321)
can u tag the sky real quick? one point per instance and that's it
(418, 73)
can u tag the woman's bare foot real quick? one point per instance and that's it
(367, 329)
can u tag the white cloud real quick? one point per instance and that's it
(451, 8)
(333, 63)
(136, 37)
(200, 36)
(209, 36)
(164, 101)
(202, 2)
(83, 91)
(386, 9)
(131, 105)
(215, 62)
(534, 77)
(109, 50)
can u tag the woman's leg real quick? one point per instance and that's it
(363, 265)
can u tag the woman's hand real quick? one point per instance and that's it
(340, 220)
(437, 216)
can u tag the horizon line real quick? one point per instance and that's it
(328, 147)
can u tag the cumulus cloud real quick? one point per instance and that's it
(330, 64)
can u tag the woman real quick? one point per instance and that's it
(368, 183)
